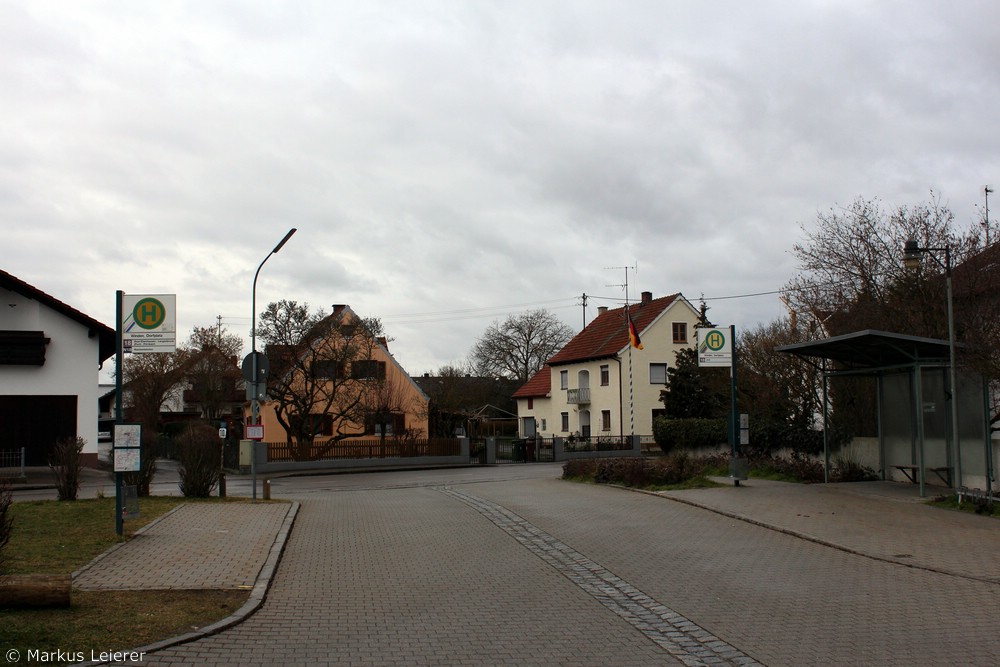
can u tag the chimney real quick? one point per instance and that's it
(601, 310)
(647, 297)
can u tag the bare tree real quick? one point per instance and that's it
(383, 408)
(321, 371)
(518, 347)
(149, 381)
(775, 388)
(851, 274)
(852, 277)
(212, 370)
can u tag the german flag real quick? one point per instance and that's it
(633, 335)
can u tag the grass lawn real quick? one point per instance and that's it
(51, 537)
(951, 502)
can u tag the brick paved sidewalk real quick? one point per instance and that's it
(197, 546)
(883, 520)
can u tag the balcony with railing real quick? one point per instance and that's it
(579, 396)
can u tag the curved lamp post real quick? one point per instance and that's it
(255, 402)
(911, 260)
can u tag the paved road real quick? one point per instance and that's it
(509, 565)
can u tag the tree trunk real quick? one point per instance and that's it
(35, 590)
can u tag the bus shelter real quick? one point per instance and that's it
(914, 410)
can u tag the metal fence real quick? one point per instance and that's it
(522, 450)
(375, 448)
(12, 463)
(603, 443)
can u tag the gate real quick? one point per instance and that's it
(511, 450)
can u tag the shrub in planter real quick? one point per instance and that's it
(199, 461)
(848, 470)
(796, 466)
(771, 436)
(66, 462)
(579, 469)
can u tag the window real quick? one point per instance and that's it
(327, 368)
(368, 369)
(605, 420)
(385, 424)
(657, 374)
(680, 332)
(543, 425)
(565, 422)
(531, 403)
(564, 379)
(321, 424)
(605, 375)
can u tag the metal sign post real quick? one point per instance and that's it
(143, 324)
(717, 348)
(119, 356)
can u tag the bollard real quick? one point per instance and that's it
(267, 489)
(222, 485)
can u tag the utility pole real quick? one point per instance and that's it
(584, 297)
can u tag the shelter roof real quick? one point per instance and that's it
(873, 350)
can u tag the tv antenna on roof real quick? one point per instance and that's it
(635, 268)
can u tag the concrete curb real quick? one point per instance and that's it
(253, 603)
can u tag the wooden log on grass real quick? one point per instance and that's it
(35, 590)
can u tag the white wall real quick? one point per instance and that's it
(71, 361)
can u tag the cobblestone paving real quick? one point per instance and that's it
(691, 644)
(883, 520)
(408, 575)
(781, 599)
(414, 577)
(197, 546)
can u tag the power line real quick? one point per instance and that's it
(475, 313)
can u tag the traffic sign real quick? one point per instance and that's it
(149, 323)
(715, 347)
(262, 367)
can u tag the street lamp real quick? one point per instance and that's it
(255, 401)
(253, 326)
(911, 260)
(986, 222)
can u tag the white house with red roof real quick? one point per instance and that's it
(598, 384)
(50, 356)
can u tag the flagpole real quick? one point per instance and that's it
(631, 400)
(631, 403)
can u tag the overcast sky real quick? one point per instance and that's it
(448, 163)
